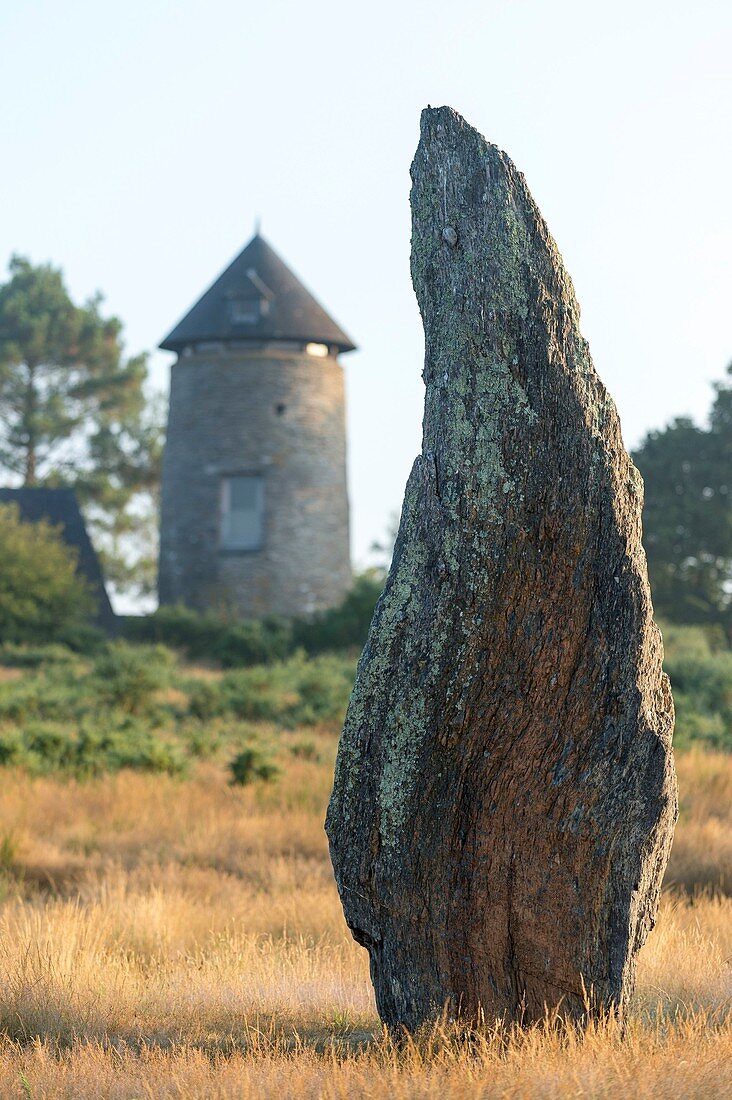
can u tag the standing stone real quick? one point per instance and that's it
(505, 796)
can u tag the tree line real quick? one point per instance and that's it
(687, 516)
(76, 411)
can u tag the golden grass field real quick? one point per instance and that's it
(183, 938)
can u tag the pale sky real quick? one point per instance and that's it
(141, 140)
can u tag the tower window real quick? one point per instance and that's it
(318, 350)
(245, 311)
(242, 512)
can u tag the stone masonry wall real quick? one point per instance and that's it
(278, 413)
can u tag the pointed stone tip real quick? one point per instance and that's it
(445, 129)
(436, 117)
(472, 209)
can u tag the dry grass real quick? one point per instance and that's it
(183, 938)
(702, 851)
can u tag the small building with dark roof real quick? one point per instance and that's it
(254, 504)
(60, 508)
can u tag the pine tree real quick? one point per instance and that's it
(687, 518)
(73, 412)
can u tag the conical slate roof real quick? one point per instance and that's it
(257, 298)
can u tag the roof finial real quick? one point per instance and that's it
(257, 225)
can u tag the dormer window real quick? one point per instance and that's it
(245, 311)
(252, 301)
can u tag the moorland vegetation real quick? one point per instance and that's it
(170, 925)
(169, 922)
(176, 932)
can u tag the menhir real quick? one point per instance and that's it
(505, 796)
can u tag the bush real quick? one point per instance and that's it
(201, 742)
(63, 713)
(305, 750)
(250, 764)
(207, 637)
(345, 626)
(26, 656)
(55, 693)
(41, 596)
(700, 669)
(83, 638)
(205, 700)
(128, 676)
(692, 641)
(42, 748)
(252, 642)
(298, 692)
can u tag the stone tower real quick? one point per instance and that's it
(254, 511)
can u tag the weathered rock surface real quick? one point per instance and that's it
(504, 796)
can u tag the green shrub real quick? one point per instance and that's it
(250, 764)
(205, 700)
(345, 626)
(11, 746)
(56, 693)
(79, 717)
(692, 641)
(141, 750)
(201, 742)
(305, 750)
(43, 748)
(128, 677)
(297, 692)
(252, 642)
(27, 656)
(702, 690)
(700, 670)
(243, 644)
(208, 637)
(83, 638)
(42, 598)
